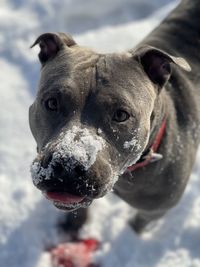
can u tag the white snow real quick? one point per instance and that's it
(79, 144)
(134, 142)
(72, 147)
(27, 220)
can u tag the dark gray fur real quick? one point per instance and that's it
(150, 85)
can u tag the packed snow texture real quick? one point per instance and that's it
(28, 221)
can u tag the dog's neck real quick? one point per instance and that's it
(158, 115)
(158, 128)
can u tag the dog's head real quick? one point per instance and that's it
(92, 116)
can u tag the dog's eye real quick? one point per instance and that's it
(51, 104)
(121, 116)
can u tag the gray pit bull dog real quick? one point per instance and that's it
(99, 120)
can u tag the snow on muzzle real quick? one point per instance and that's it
(73, 167)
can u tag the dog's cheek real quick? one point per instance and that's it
(40, 129)
(33, 121)
(36, 128)
(134, 147)
(138, 140)
(106, 171)
(145, 133)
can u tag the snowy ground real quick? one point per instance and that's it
(27, 221)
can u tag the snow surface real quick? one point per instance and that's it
(28, 221)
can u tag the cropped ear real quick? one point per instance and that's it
(51, 43)
(157, 64)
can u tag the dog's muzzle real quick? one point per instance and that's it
(71, 172)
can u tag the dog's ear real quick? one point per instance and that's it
(51, 43)
(157, 63)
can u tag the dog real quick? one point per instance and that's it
(127, 122)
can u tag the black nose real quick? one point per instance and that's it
(46, 159)
(64, 175)
(68, 175)
(65, 171)
(63, 168)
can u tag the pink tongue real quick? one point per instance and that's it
(62, 197)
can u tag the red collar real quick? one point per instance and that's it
(151, 156)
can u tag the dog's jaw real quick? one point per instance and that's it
(67, 202)
(74, 148)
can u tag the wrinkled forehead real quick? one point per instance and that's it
(67, 68)
(83, 70)
(120, 76)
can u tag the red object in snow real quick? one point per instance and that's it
(74, 254)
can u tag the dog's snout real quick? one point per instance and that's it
(59, 170)
(73, 163)
(69, 176)
(79, 171)
(65, 172)
(62, 168)
(46, 159)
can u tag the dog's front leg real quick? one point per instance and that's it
(73, 221)
(143, 218)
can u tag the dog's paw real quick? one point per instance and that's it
(73, 221)
(138, 224)
(145, 221)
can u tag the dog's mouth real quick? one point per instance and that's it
(66, 201)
